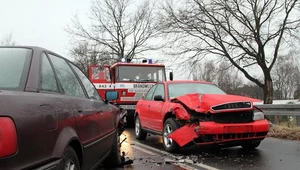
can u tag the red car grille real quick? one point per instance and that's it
(235, 105)
(228, 137)
(233, 117)
(240, 135)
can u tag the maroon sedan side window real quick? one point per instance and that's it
(89, 87)
(47, 77)
(66, 77)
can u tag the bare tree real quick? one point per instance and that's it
(85, 54)
(222, 74)
(228, 77)
(8, 40)
(286, 77)
(251, 90)
(116, 30)
(206, 71)
(246, 32)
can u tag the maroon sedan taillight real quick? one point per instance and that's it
(8, 137)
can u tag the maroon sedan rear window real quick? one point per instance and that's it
(14, 66)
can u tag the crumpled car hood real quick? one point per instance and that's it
(203, 102)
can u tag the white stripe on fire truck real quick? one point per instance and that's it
(128, 106)
(130, 98)
(123, 85)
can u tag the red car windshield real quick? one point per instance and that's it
(179, 89)
(14, 65)
(140, 74)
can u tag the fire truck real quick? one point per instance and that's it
(132, 80)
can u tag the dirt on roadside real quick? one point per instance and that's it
(283, 132)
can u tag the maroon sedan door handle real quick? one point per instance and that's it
(79, 109)
(100, 112)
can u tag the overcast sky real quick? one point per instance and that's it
(40, 22)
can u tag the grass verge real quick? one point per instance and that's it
(283, 132)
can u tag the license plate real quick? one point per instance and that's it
(238, 129)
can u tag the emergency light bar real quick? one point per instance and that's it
(149, 61)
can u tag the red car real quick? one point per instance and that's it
(194, 112)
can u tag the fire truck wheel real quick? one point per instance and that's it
(130, 122)
(140, 134)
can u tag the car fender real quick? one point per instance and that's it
(177, 110)
(66, 136)
(137, 108)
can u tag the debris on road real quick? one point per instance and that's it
(124, 161)
(170, 161)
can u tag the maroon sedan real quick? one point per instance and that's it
(51, 116)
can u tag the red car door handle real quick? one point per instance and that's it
(149, 106)
(100, 112)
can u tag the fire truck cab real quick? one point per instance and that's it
(132, 80)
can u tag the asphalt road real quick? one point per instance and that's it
(272, 154)
(143, 158)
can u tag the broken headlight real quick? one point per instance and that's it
(258, 115)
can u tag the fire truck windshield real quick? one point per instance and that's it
(140, 74)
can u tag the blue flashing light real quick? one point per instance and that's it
(123, 60)
(150, 61)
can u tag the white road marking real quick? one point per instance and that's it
(187, 167)
(201, 165)
(143, 150)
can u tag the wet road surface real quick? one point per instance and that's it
(272, 154)
(143, 159)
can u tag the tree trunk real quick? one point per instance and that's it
(268, 93)
(268, 89)
(298, 121)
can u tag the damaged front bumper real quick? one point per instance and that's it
(207, 133)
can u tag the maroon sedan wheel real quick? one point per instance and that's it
(69, 160)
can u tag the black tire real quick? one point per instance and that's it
(250, 146)
(69, 159)
(169, 144)
(129, 121)
(140, 134)
(114, 158)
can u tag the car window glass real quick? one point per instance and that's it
(150, 93)
(66, 77)
(89, 87)
(47, 78)
(14, 67)
(179, 89)
(159, 91)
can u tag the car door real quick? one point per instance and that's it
(144, 108)
(103, 110)
(155, 108)
(84, 110)
(34, 111)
